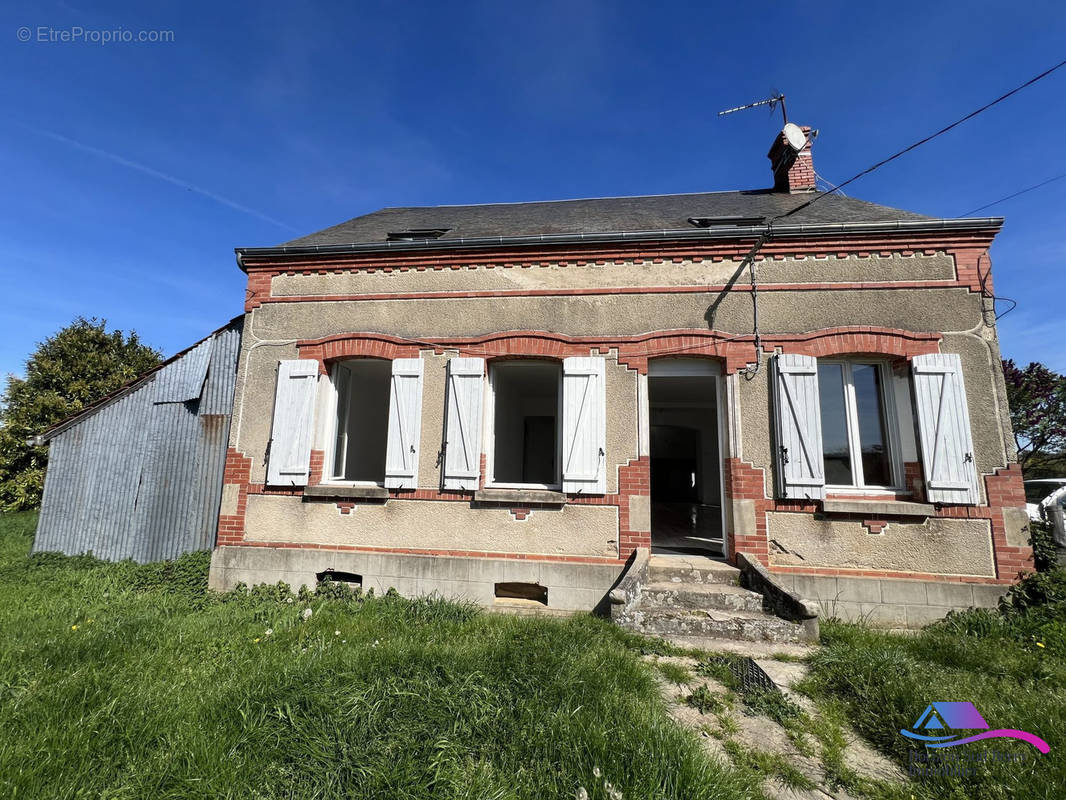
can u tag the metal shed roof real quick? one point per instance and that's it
(139, 475)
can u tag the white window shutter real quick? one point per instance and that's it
(584, 426)
(289, 460)
(944, 429)
(405, 424)
(800, 468)
(462, 433)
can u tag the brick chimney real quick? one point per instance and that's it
(793, 172)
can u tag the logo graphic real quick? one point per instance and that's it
(942, 716)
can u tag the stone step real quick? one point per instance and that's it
(699, 596)
(691, 569)
(759, 650)
(743, 625)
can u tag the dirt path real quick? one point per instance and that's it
(795, 749)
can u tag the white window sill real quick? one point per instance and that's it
(514, 496)
(538, 487)
(348, 491)
(897, 508)
(866, 491)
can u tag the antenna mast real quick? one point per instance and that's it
(777, 97)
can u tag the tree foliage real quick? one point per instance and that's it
(67, 372)
(1037, 398)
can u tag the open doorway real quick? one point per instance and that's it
(686, 463)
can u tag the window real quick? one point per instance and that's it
(526, 423)
(856, 432)
(416, 234)
(362, 420)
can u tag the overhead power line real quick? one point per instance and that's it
(929, 138)
(1011, 196)
(749, 259)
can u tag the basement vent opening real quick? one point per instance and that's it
(337, 576)
(526, 592)
(416, 234)
(722, 222)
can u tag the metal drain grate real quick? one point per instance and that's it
(750, 676)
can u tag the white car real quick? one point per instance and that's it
(1042, 492)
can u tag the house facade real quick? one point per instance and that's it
(511, 400)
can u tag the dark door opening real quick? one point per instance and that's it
(686, 503)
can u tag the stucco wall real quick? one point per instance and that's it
(939, 546)
(583, 530)
(828, 269)
(930, 309)
(953, 546)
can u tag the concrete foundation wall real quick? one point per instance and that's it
(571, 587)
(889, 603)
(582, 530)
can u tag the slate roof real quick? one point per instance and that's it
(601, 215)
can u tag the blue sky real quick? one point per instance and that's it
(132, 170)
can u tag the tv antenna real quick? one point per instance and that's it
(771, 101)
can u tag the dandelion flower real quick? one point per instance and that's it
(307, 613)
(73, 627)
(1039, 644)
(257, 639)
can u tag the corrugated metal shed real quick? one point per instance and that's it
(139, 475)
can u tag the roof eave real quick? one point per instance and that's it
(739, 232)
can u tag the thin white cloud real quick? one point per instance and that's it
(154, 173)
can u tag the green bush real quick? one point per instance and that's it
(1041, 589)
(1045, 553)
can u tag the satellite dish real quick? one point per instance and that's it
(794, 136)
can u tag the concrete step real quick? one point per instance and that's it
(720, 596)
(740, 625)
(691, 570)
(759, 650)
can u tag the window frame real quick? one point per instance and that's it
(330, 454)
(891, 421)
(489, 429)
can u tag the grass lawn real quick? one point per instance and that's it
(1011, 667)
(127, 681)
(120, 681)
